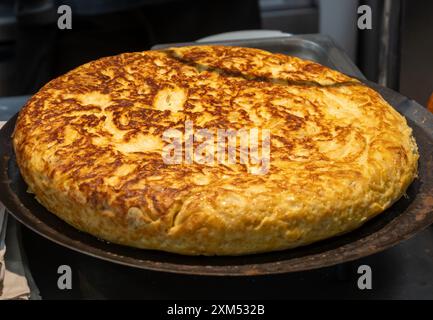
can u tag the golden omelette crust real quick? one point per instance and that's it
(89, 144)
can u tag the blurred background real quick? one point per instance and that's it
(33, 50)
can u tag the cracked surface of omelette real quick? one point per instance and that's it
(89, 146)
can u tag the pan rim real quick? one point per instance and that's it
(307, 262)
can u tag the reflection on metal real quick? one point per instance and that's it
(389, 52)
(338, 18)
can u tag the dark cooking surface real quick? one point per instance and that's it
(405, 271)
(402, 272)
(406, 217)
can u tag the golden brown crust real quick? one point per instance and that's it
(88, 144)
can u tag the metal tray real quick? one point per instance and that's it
(406, 217)
(315, 47)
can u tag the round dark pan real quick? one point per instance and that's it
(405, 218)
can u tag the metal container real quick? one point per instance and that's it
(315, 47)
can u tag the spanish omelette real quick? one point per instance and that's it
(89, 145)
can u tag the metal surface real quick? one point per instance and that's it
(313, 47)
(406, 217)
(389, 51)
(11, 105)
